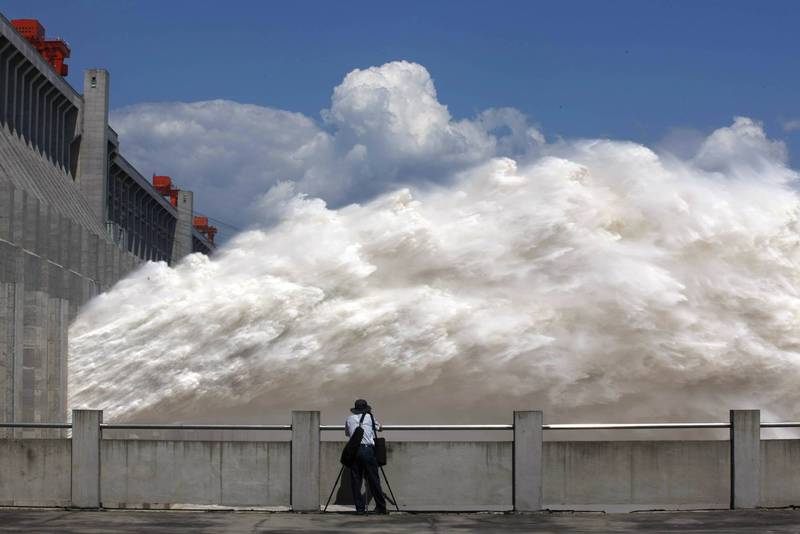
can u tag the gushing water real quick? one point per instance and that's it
(594, 280)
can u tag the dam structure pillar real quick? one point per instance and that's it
(745, 458)
(86, 441)
(527, 470)
(93, 161)
(182, 244)
(305, 474)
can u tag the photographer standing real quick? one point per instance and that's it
(365, 462)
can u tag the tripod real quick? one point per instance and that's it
(393, 500)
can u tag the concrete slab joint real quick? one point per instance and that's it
(745, 458)
(527, 461)
(305, 473)
(86, 458)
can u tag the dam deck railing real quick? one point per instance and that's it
(89, 463)
(394, 428)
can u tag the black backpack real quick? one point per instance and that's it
(351, 448)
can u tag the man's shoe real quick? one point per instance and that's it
(361, 512)
(380, 511)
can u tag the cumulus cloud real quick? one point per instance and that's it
(385, 128)
(394, 113)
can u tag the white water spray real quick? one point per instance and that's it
(596, 281)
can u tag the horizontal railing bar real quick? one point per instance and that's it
(427, 427)
(632, 426)
(568, 426)
(35, 425)
(143, 426)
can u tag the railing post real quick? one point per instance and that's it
(745, 458)
(305, 461)
(527, 461)
(86, 458)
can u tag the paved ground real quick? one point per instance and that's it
(65, 521)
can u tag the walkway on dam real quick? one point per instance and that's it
(67, 521)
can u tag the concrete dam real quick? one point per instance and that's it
(75, 216)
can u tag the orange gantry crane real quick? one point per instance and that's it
(54, 51)
(163, 184)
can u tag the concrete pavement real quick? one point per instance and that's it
(69, 521)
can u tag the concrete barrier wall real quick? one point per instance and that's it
(442, 475)
(137, 473)
(647, 474)
(524, 474)
(35, 472)
(780, 472)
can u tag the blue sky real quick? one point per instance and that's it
(663, 73)
(619, 69)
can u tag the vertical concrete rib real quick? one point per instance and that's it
(86, 436)
(745, 458)
(305, 461)
(93, 164)
(182, 243)
(528, 461)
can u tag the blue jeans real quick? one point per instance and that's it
(366, 465)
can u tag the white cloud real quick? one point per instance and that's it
(393, 111)
(385, 128)
(791, 125)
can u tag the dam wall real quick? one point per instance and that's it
(75, 217)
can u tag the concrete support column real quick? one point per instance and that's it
(92, 256)
(116, 259)
(745, 458)
(305, 461)
(182, 243)
(100, 266)
(6, 210)
(528, 461)
(93, 159)
(86, 438)
(12, 306)
(55, 380)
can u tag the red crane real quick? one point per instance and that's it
(163, 184)
(54, 51)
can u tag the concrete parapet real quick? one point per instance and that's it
(86, 458)
(448, 475)
(745, 458)
(528, 461)
(305, 461)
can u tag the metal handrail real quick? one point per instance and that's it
(427, 427)
(35, 425)
(326, 428)
(144, 426)
(632, 426)
(784, 424)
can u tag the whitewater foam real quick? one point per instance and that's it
(597, 279)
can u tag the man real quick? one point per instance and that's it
(365, 462)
